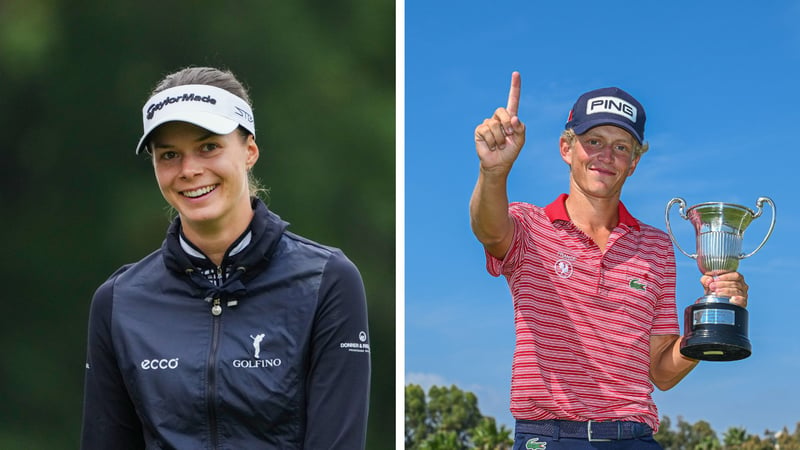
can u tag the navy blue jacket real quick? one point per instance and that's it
(276, 356)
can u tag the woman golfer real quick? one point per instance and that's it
(236, 333)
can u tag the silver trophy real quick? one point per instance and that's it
(714, 328)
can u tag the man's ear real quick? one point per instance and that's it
(634, 163)
(566, 150)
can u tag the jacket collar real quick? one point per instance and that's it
(263, 234)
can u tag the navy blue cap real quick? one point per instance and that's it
(607, 106)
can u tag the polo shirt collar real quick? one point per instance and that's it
(558, 211)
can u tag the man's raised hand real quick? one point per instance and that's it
(499, 139)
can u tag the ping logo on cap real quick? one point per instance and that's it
(613, 105)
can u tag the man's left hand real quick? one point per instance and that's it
(728, 284)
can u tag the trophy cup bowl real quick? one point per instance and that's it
(714, 328)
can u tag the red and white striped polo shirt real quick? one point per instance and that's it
(584, 318)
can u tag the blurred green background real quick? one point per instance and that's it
(73, 78)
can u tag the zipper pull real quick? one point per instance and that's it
(216, 309)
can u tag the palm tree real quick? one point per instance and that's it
(486, 436)
(734, 437)
(442, 440)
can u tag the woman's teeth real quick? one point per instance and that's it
(198, 192)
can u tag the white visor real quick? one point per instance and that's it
(209, 107)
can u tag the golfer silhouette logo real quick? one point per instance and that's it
(257, 344)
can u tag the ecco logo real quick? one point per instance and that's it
(611, 105)
(159, 364)
(189, 97)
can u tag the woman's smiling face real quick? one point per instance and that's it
(204, 175)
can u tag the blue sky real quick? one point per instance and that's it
(718, 83)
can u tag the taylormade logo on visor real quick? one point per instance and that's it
(209, 107)
(188, 97)
(613, 105)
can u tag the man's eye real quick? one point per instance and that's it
(594, 142)
(209, 147)
(622, 148)
(169, 155)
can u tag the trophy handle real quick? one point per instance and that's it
(759, 204)
(682, 211)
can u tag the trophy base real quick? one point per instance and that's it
(715, 330)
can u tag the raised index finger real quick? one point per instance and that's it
(513, 93)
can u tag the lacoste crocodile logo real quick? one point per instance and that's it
(534, 444)
(636, 285)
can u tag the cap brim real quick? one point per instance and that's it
(212, 122)
(585, 126)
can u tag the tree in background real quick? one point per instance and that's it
(453, 410)
(442, 440)
(789, 441)
(486, 436)
(700, 436)
(417, 425)
(734, 437)
(449, 419)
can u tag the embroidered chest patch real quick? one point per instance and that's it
(563, 265)
(563, 268)
(638, 285)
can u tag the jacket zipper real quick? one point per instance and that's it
(211, 367)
